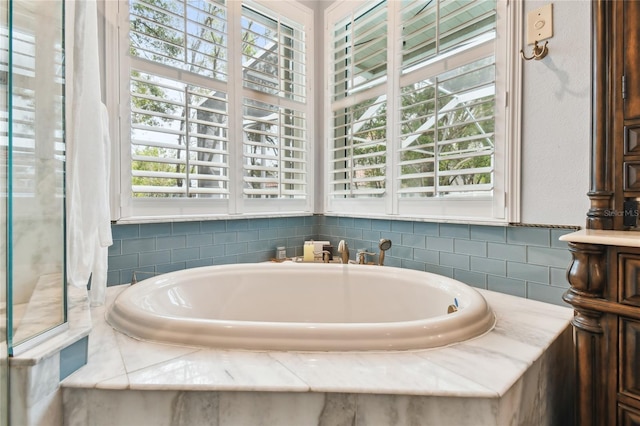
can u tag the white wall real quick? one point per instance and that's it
(555, 117)
(556, 120)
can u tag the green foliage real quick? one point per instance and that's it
(152, 36)
(150, 29)
(151, 151)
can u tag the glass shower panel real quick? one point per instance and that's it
(36, 157)
(4, 71)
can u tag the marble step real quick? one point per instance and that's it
(519, 372)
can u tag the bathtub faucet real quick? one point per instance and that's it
(134, 278)
(362, 256)
(384, 245)
(343, 249)
(326, 255)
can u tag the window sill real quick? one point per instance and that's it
(196, 218)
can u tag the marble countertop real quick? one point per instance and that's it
(486, 366)
(604, 237)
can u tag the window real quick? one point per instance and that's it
(275, 142)
(214, 103)
(419, 119)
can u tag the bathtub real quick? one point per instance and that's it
(298, 306)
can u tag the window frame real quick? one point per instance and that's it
(125, 207)
(500, 208)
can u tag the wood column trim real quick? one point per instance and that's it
(600, 194)
(588, 277)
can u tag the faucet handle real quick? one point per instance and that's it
(362, 254)
(326, 255)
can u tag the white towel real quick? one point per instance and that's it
(88, 154)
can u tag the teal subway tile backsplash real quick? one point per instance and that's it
(381, 225)
(115, 248)
(124, 261)
(185, 254)
(364, 224)
(155, 258)
(548, 256)
(489, 266)
(185, 228)
(138, 245)
(458, 261)
(412, 240)
(402, 227)
(474, 279)
(238, 225)
(518, 260)
(524, 271)
(402, 252)
(507, 252)
(440, 244)
(213, 226)
(529, 236)
(258, 223)
(508, 286)
(411, 264)
(558, 277)
(474, 248)
(371, 235)
(454, 230)
(440, 270)
(225, 237)
(179, 241)
(244, 236)
(226, 260)
(155, 229)
(347, 222)
(198, 263)
(170, 267)
(268, 234)
(235, 249)
(123, 232)
(544, 293)
(211, 251)
(426, 256)
(426, 228)
(199, 240)
(556, 234)
(354, 233)
(496, 234)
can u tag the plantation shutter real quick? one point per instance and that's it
(360, 51)
(447, 119)
(274, 151)
(179, 105)
(358, 156)
(432, 28)
(358, 149)
(273, 55)
(274, 128)
(187, 35)
(178, 139)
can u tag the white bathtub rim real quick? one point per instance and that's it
(283, 336)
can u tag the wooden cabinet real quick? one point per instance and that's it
(615, 168)
(605, 272)
(605, 293)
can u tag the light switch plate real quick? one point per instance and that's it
(540, 24)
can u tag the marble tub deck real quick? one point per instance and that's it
(520, 373)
